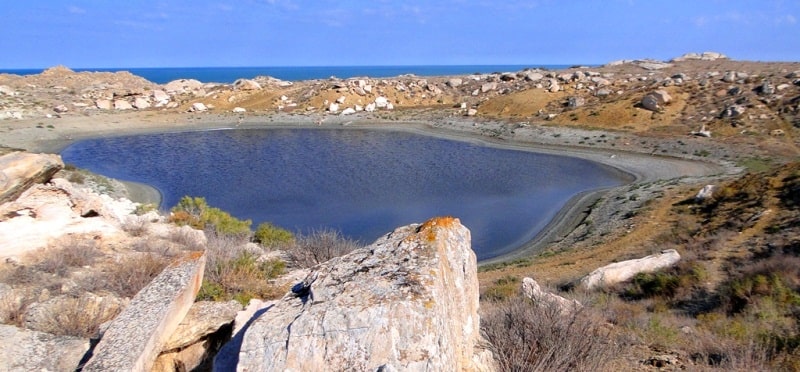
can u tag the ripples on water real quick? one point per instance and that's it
(364, 183)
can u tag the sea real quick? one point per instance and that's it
(164, 75)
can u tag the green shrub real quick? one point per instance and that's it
(195, 212)
(269, 235)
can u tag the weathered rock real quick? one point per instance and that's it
(454, 82)
(705, 193)
(160, 95)
(653, 101)
(60, 109)
(21, 170)
(649, 64)
(732, 111)
(103, 104)
(703, 132)
(183, 85)
(134, 339)
(370, 107)
(486, 87)
(407, 302)
(472, 112)
(576, 101)
(533, 76)
(381, 102)
(333, 107)
(198, 107)
(246, 84)
(532, 290)
(348, 111)
(197, 336)
(141, 103)
(121, 104)
(621, 271)
(766, 88)
(705, 56)
(239, 109)
(5, 89)
(24, 350)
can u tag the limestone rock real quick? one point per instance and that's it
(533, 76)
(5, 89)
(576, 101)
(407, 302)
(649, 64)
(532, 290)
(454, 82)
(333, 107)
(103, 104)
(653, 101)
(141, 103)
(134, 339)
(160, 95)
(472, 112)
(348, 111)
(621, 271)
(246, 84)
(121, 104)
(705, 193)
(381, 102)
(24, 350)
(60, 109)
(198, 107)
(488, 87)
(239, 110)
(21, 170)
(183, 86)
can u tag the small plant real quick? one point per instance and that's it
(196, 213)
(269, 235)
(320, 246)
(73, 252)
(128, 276)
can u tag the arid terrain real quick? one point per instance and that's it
(675, 127)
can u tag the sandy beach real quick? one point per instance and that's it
(633, 161)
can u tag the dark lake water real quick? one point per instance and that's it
(364, 183)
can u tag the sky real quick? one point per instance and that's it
(208, 33)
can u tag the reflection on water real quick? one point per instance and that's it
(364, 183)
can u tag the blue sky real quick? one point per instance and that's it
(154, 33)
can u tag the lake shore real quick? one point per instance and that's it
(634, 161)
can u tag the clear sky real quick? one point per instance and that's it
(189, 33)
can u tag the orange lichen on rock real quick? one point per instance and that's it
(429, 227)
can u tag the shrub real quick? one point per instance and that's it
(196, 213)
(77, 317)
(73, 252)
(269, 235)
(128, 276)
(320, 246)
(528, 336)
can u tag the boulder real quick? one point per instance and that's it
(654, 101)
(239, 110)
(160, 95)
(5, 89)
(732, 111)
(103, 104)
(407, 302)
(486, 87)
(60, 109)
(454, 82)
(370, 107)
(141, 103)
(333, 107)
(472, 112)
(533, 76)
(348, 111)
(532, 290)
(183, 86)
(649, 64)
(198, 107)
(575, 102)
(246, 84)
(381, 102)
(121, 104)
(766, 88)
(21, 170)
(206, 326)
(619, 272)
(705, 193)
(25, 350)
(134, 339)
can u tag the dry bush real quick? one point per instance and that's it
(73, 252)
(136, 225)
(155, 245)
(186, 237)
(320, 246)
(128, 276)
(528, 336)
(12, 308)
(77, 317)
(235, 272)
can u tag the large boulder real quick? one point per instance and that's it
(654, 101)
(21, 170)
(619, 272)
(246, 84)
(24, 350)
(407, 302)
(532, 290)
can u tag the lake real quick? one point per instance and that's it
(361, 182)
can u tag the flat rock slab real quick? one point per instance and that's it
(619, 272)
(136, 337)
(25, 350)
(21, 170)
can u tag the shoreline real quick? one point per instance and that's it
(635, 166)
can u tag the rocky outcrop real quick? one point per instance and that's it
(654, 101)
(134, 339)
(21, 170)
(24, 350)
(705, 193)
(619, 272)
(407, 302)
(198, 337)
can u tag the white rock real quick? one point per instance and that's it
(454, 82)
(246, 84)
(348, 111)
(341, 100)
(488, 87)
(121, 104)
(472, 112)
(370, 107)
(333, 107)
(389, 106)
(141, 103)
(160, 95)
(60, 109)
(532, 290)
(198, 107)
(381, 102)
(239, 109)
(621, 271)
(705, 193)
(5, 89)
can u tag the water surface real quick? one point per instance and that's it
(364, 183)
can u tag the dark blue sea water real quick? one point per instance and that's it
(230, 74)
(364, 183)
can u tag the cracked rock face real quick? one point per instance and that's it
(407, 302)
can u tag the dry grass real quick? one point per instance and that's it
(73, 252)
(319, 246)
(77, 317)
(527, 336)
(128, 276)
